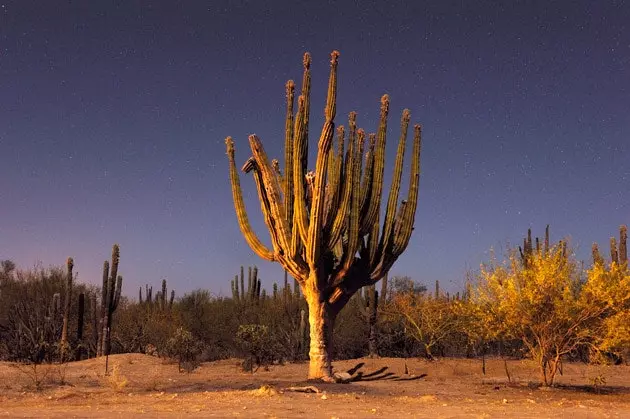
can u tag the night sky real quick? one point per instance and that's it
(113, 116)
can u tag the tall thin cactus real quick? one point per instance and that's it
(623, 244)
(325, 225)
(112, 284)
(63, 347)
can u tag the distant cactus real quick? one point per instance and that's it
(527, 251)
(623, 244)
(112, 287)
(619, 253)
(254, 290)
(369, 300)
(80, 322)
(66, 313)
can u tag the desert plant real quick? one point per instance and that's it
(63, 345)
(543, 301)
(112, 286)
(320, 221)
(183, 347)
(257, 345)
(429, 320)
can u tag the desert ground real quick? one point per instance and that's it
(145, 386)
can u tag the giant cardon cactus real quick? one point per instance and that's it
(324, 225)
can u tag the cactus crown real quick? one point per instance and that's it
(325, 224)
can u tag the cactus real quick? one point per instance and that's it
(324, 226)
(384, 283)
(254, 290)
(527, 250)
(369, 309)
(597, 257)
(623, 244)
(95, 323)
(437, 289)
(112, 286)
(164, 295)
(66, 313)
(614, 255)
(80, 321)
(619, 253)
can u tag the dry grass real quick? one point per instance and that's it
(450, 388)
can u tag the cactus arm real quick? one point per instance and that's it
(117, 291)
(623, 244)
(337, 227)
(353, 219)
(279, 178)
(407, 212)
(334, 179)
(115, 260)
(254, 243)
(296, 264)
(306, 94)
(392, 201)
(299, 180)
(288, 155)
(367, 184)
(314, 238)
(373, 241)
(272, 191)
(379, 165)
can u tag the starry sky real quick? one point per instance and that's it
(113, 116)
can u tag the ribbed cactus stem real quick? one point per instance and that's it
(66, 312)
(164, 294)
(113, 287)
(614, 255)
(597, 257)
(546, 239)
(623, 244)
(242, 281)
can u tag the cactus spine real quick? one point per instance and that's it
(319, 222)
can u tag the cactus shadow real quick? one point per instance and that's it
(380, 374)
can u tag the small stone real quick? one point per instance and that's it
(324, 397)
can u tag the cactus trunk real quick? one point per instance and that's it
(321, 320)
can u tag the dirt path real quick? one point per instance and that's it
(143, 386)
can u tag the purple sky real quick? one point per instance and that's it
(113, 117)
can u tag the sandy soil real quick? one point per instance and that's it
(143, 386)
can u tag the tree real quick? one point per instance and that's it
(324, 225)
(542, 299)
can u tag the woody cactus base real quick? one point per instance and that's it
(324, 225)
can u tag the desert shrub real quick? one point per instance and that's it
(544, 301)
(257, 345)
(183, 347)
(138, 325)
(431, 321)
(31, 314)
